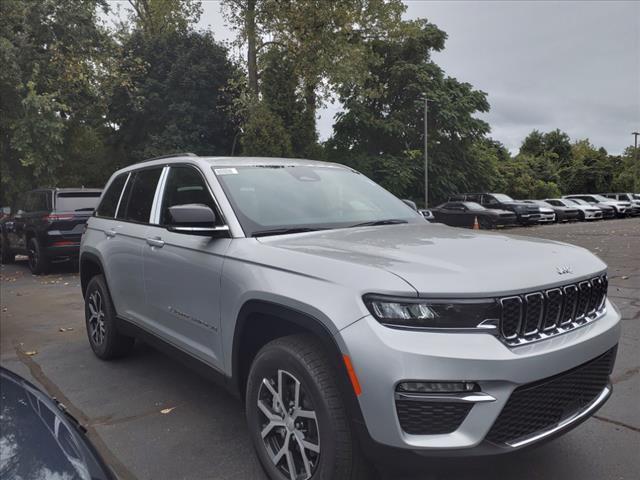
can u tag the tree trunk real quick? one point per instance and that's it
(250, 28)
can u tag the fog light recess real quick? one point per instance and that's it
(437, 387)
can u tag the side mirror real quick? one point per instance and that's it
(410, 204)
(194, 219)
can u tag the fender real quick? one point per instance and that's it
(92, 258)
(305, 322)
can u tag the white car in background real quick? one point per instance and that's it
(621, 208)
(586, 211)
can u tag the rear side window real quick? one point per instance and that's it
(37, 202)
(76, 201)
(109, 203)
(139, 195)
(184, 185)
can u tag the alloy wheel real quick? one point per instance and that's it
(96, 318)
(289, 426)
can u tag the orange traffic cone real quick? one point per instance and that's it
(476, 225)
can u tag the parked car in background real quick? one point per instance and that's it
(39, 439)
(562, 213)
(607, 210)
(465, 214)
(348, 324)
(584, 210)
(626, 197)
(47, 226)
(620, 208)
(427, 214)
(5, 212)
(547, 214)
(527, 214)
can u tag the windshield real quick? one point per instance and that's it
(579, 201)
(474, 206)
(278, 197)
(501, 197)
(600, 198)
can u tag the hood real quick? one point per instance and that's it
(437, 260)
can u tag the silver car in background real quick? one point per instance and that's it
(355, 332)
(586, 211)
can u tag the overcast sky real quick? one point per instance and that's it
(573, 65)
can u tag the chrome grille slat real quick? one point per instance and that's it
(538, 315)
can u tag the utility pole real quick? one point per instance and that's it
(426, 155)
(636, 188)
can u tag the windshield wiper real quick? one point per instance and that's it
(389, 221)
(284, 231)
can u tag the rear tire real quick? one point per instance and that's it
(317, 442)
(38, 261)
(100, 319)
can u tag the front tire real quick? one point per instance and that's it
(100, 319)
(296, 416)
(38, 261)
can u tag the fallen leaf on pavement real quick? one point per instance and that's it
(167, 410)
(65, 329)
(624, 277)
(31, 353)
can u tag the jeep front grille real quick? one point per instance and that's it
(537, 315)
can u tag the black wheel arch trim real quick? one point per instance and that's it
(317, 328)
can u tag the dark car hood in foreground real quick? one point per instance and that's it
(40, 442)
(440, 260)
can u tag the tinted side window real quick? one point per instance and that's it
(140, 192)
(36, 202)
(109, 203)
(184, 185)
(489, 200)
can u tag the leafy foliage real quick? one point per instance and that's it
(170, 96)
(53, 54)
(382, 132)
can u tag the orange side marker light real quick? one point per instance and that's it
(352, 375)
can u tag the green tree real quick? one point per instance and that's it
(54, 56)
(170, 95)
(157, 17)
(322, 44)
(382, 124)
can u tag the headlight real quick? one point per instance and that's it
(425, 313)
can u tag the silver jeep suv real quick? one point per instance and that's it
(352, 328)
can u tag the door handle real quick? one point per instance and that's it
(110, 233)
(155, 242)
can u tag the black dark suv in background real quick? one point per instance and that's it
(47, 225)
(526, 213)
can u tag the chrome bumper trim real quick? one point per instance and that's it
(473, 397)
(604, 395)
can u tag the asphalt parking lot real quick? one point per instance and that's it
(153, 418)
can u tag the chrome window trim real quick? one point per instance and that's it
(124, 187)
(154, 216)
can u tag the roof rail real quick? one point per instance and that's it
(171, 155)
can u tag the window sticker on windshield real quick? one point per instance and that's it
(225, 171)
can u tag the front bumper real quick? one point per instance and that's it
(547, 218)
(592, 215)
(382, 357)
(528, 218)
